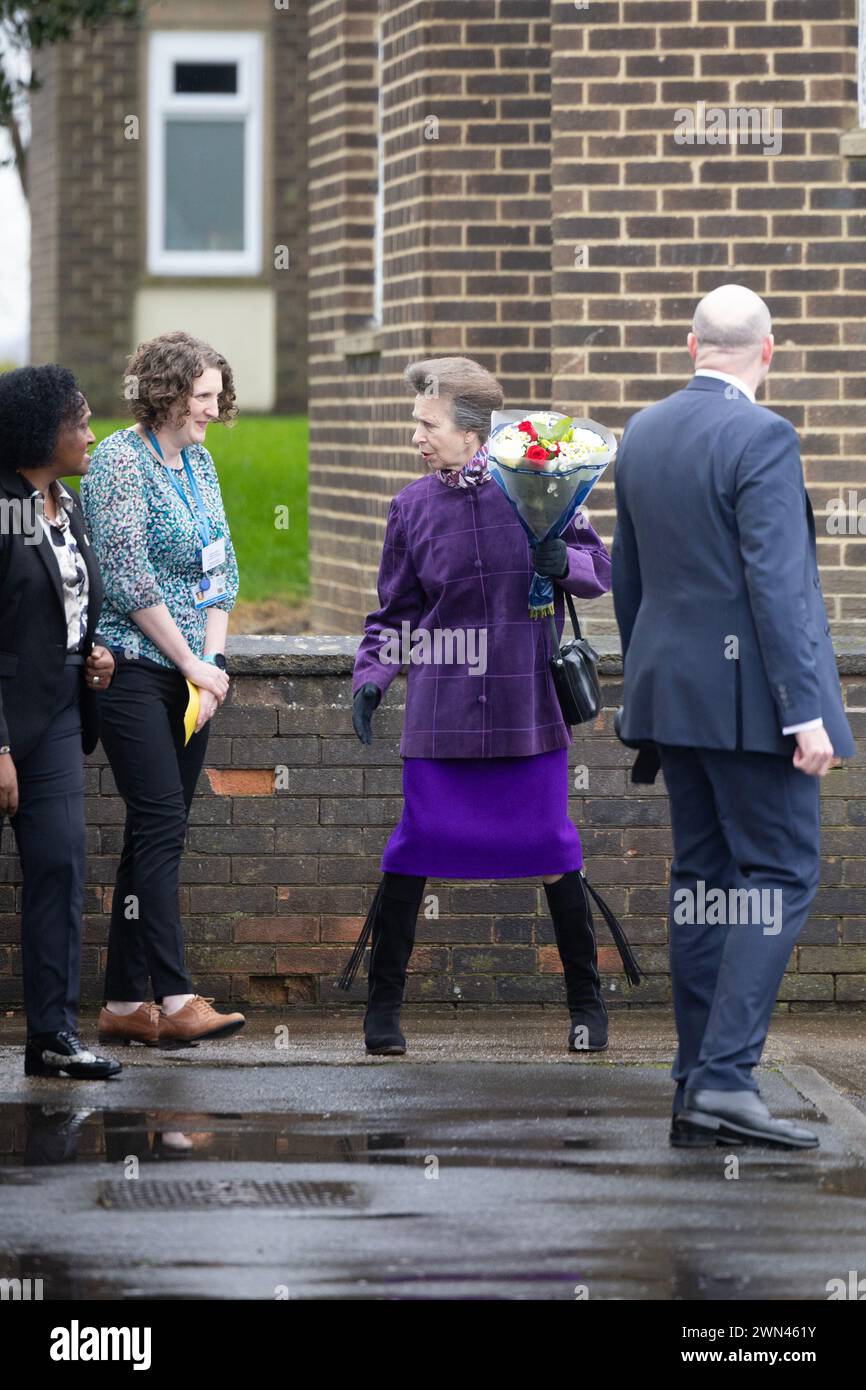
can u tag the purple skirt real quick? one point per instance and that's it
(485, 818)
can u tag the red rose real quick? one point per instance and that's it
(536, 454)
(528, 429)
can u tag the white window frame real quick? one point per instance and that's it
(166, 48)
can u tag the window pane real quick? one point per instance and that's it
(204, 185)
(205, 77)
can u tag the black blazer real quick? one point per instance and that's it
(725, 637)
(33, 640)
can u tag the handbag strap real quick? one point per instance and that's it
(574, 623)
(573, 615)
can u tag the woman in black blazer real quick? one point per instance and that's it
(50, 671)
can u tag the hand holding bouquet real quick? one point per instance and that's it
(547, 464)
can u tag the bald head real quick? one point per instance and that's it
(732, 332)
(732, 318)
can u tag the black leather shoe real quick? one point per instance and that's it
(64, 1054)
(588, 1031)
(684, 1136)
(727, 1115)
(382, 1034)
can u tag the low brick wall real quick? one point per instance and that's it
(279, 870)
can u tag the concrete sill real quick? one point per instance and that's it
(334, 656)
(204, 282)
(365, 343)
(852, 143)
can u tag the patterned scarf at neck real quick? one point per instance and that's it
(470, 475)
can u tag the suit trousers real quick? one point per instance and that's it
(741, 822)
(141, 726)
(50, 835)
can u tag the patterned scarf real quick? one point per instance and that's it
(470, 475)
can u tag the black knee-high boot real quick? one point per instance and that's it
(391, 925)
(572, 925)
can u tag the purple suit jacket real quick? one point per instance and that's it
(456, 562)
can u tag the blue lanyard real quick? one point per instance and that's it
(197, 507)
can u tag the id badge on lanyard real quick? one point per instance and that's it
(211, 587)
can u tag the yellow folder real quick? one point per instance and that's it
(192, 710)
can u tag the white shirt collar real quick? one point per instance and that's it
(62, 497)
(732, 380)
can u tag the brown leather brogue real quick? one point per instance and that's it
(141, 1027)
(196, 1022)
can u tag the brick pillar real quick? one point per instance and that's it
(466, 245)
(87, 208)
(288, 39)
(43, 179)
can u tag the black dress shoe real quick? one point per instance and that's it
(588, 1031)
(382, 1034)
(64, 1054)
(728, 1115)
(684, 1136)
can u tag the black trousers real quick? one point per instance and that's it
(141, 726)
(50, 836)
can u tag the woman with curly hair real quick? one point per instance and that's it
(50, 669)
(152, 500)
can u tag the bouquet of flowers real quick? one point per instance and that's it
(547, 464)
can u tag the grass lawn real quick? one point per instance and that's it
(262, 465)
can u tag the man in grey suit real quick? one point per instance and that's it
(729, 671)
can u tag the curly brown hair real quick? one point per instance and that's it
(164, 369)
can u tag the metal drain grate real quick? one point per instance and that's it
(205, 1194)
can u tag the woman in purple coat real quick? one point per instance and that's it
(485, 747)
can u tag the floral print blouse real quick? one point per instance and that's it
(147, 541)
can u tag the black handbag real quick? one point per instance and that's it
(574, 668)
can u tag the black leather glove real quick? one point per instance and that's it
(647, 764)
(363, 705)
(550, 558)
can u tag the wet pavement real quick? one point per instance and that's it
(467, 1179)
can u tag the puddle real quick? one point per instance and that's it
(48, 1135)
(38, 1136)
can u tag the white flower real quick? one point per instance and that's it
(575, 451)
(593, 441)
(509, 445)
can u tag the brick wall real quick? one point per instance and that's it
(662, 223)
(635, 228)
(276, 884)
(86, 208)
